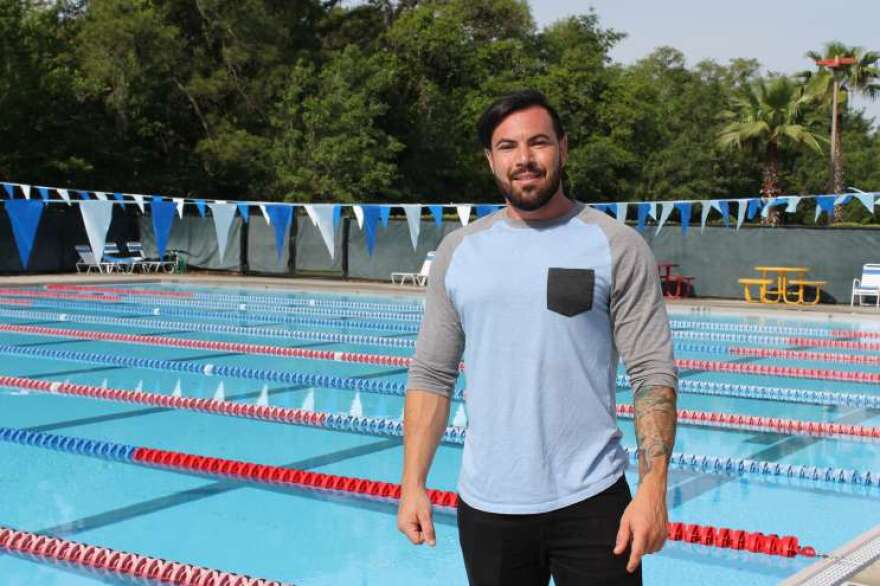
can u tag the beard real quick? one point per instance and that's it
(532, 197)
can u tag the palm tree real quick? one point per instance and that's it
(842, 70)
(766, 116)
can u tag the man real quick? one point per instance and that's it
(541, 297)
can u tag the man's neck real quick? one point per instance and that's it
(558, 206)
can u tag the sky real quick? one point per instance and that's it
(775, 32)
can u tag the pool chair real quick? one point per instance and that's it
(113, 257)
(87, 261)
(419, 279)
(867, 286)
(147, 265)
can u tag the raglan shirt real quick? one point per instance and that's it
(540, 312)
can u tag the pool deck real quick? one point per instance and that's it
(856, 563)
(209, 279)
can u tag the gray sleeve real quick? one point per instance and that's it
(440, 343)
(638, 314)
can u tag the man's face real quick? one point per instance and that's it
(527, 158)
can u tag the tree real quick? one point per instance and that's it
(766, 116)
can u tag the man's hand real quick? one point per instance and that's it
(414, 516)
(644, 522)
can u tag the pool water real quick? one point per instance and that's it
(315, 538)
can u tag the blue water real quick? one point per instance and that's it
(314, 538)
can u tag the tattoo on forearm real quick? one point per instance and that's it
(655, 418)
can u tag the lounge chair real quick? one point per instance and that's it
(87, 261)
(136, 250)
(419, 279)
(867, 286)
(113, 257)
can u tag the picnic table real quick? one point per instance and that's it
(675, 286)
(782, 277)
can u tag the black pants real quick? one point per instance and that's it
(574, 544)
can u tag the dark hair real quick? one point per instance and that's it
(507, 105)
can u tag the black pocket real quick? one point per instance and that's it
(570, 291)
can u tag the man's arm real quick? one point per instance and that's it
(645, 519)
(425, 417)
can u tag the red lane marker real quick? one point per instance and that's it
(119, 563)
(805, 355)
(27, 293)
(120, 290)
(826, 343)
(854, 334)
(787, 371)
(16, 301)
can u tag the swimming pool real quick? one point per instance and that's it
(313, 381)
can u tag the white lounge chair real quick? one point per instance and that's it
(87, 261)
(113, 257)
(419, 279)
(867, 286)
(136, 250)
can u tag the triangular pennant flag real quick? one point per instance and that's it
(101, 195)
(843, 199)
(201, 206)
(867, 199)
(414, 220)
(793, 201)
(139, 200)
(24, 215)
(485, 210)
(372, 215)
(118, 197)
(653, 205)
(97, 216)
(825, 203)
(724, 208)
(706, 207)
(337, 217)
(753, 208)
(44, 193)
(643, 210)
(224, 214)
(776, 201)
(741, 212)
(464, 213)
(245, 210)
(26, 190)
(437, 212)
(10, 190)
(178, 204)
(666, 210)
(163, 215)
(684, 210)
(279, 216)
(621, 212)
(265, 213)
(322, 215)
(84, 195)
(63, 193)
(385, 215)
(358, 215)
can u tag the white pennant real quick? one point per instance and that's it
(464, 213)
(101, 195)
(413, 213)
(265, 213)
(224, 214)
(621, 212)
(359, 215)
(706, 207)
(867, 200)
(793, 201)
(139, 200)
(26, 190)
(96, 216)
(841, 198)
(741, 212)
(668, 206)
(652, 211)
(322, 216)
(818, 212)
(715, 204)
(64, 195)
(178, 203)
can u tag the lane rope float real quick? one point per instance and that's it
(752, 541)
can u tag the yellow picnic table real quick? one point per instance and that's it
(782, 276)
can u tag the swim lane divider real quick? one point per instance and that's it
(389, 427)
(755, 542)
(119, 564)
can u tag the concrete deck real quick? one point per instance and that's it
(856, 563)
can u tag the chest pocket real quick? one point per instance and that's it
(570, 291)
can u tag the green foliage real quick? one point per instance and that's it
(377, 100)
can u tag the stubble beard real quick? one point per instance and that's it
(531, 199)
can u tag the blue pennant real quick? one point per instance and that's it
(84, 195)
(163, 213)
(24, 215)
(245, 210)
(10, 190)
(337, 216)
(725, 212)
(826, 203)
(201, 206)
(118, 197)
(753, 208)
(437, 212)
(280, 215)
(485, 210)
(372, 216)
(684, 210)
(643, 210)
(384, 214)
(44, 193)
